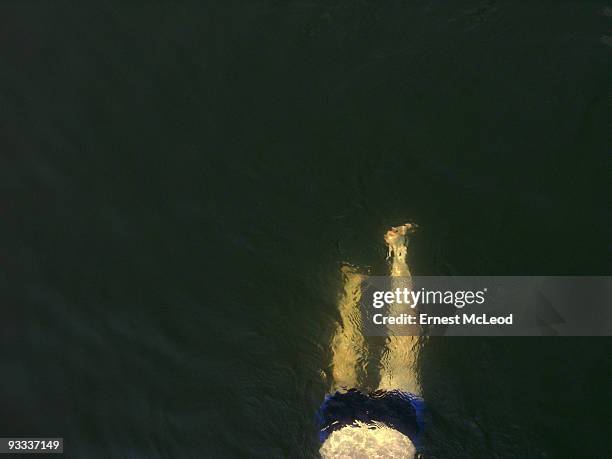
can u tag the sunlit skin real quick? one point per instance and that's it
(397, 367)
(349, 350)
(348, 346)
(397, 370)
(397, 242)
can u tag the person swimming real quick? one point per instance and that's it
(388, 422)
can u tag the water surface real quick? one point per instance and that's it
(183, 183)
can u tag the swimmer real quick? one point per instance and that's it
(386, 423)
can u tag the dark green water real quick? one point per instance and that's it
(180, 185)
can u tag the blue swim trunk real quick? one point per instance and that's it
(399, 410)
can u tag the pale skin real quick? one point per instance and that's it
(349, 350)
(348, 344)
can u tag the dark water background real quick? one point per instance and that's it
(180, 184)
